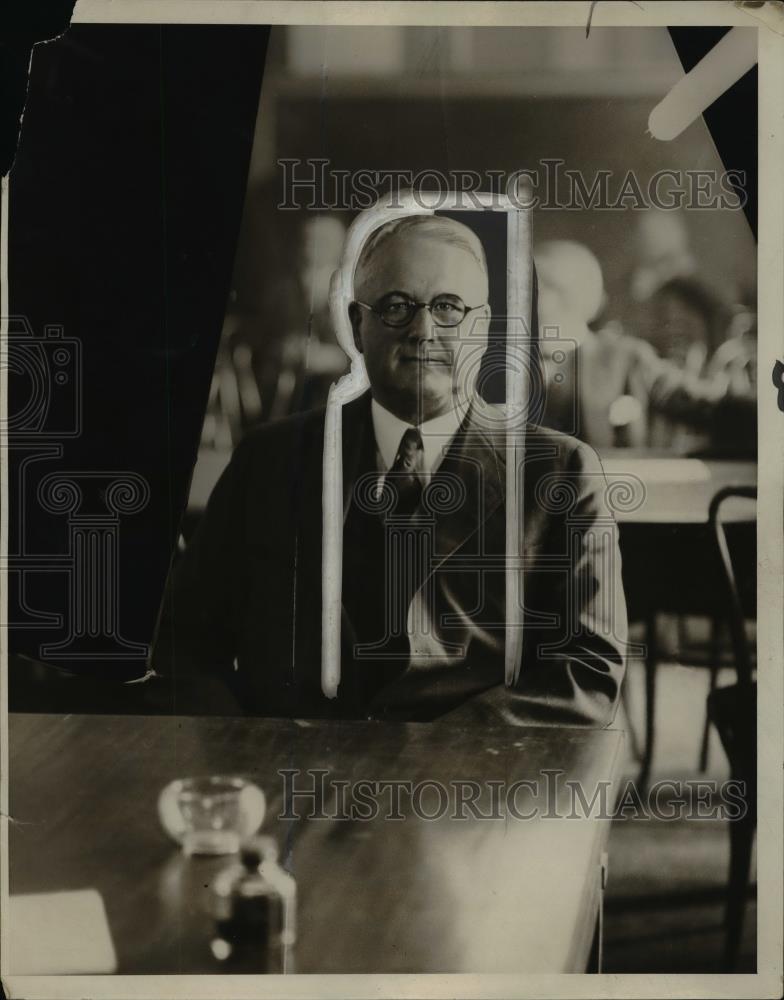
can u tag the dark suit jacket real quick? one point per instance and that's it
(244, 604)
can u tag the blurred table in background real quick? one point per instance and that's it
(673, 491)
(407, 895)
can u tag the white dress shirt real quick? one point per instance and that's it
(437, 435)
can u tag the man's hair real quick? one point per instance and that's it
(438, 227)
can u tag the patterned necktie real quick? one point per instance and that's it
(404, 476)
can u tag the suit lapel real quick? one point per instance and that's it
(467, 488)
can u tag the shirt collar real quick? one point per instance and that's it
(436, 434)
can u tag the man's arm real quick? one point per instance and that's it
(571, 674)
(708, 403)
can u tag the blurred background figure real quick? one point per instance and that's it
(311, 359)
(234, 402)
(659, 250)
(595, 380)
(682, 391)
(736, 356)
(662, 251)
(278, 352)
(689, 322)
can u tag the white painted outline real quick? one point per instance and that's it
(519, 295)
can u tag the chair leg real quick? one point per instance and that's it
(682, 637)
(741, 840)
(651, 658)
(630, 728)
(714, 655)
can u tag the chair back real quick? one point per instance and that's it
(736, 590)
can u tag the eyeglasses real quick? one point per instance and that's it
(397, 310)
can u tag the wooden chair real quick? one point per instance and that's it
(733, 711)
(697, 589)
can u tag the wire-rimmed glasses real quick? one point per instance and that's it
(397, 310)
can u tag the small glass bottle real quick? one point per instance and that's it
(254, 906)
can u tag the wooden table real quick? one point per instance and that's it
(406, 895)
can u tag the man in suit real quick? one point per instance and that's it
(423, 571)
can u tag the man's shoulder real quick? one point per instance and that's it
(537, 434)
(563, 450)
(539, 440)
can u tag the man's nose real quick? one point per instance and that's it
(421, 326)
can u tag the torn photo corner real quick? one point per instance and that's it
(391, 553)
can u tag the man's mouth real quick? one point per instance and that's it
(428, 361)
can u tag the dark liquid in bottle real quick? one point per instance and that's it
(252, 936)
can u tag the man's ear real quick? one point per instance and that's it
(355, 315)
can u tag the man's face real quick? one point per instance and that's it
(420, 370)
